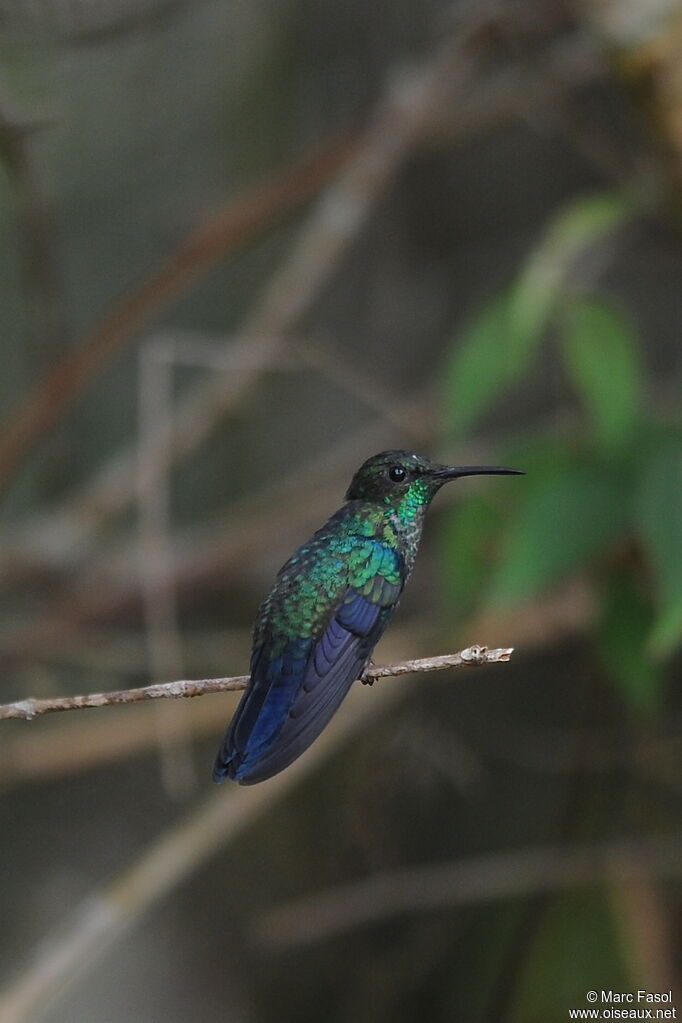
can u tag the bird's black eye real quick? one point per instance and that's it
(396, 474)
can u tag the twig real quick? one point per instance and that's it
(33, 708)
(496, 876)
(63, 956)
(68, 748)
(68, 745)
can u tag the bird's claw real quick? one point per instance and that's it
(365, 679)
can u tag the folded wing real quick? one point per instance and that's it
(297, 685)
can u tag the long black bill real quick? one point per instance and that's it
(454, 472)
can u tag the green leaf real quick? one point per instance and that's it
(575, 228)
(659, 520)
(487, 359)
(567, 518)
(499, 343)
(622, 636)
(600, 351)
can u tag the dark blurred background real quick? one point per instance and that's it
(245, 246)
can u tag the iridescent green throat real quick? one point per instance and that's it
(413, 502)
(407, 518)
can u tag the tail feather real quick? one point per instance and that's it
(222, 767)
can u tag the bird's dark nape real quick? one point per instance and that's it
(330, 604)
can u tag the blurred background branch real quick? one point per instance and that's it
(219, 235)
(506, 875)
(502, 98)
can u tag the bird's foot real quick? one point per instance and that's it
(367, 680)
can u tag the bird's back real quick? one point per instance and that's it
(313, 636)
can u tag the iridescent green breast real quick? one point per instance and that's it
(357, 548)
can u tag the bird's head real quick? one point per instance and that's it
(392, 476)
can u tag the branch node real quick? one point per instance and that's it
(24, 709)
(474, 655)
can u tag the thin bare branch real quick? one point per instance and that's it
(496, 876)
(33, 708)
(85, 935)
(561, 613)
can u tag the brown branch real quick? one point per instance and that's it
(32, 708)
(85, 934)
(68, 748)
(257, 208)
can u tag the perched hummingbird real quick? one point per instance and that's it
(316, 630)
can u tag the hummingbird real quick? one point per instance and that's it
(315, 631)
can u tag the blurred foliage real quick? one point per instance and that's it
(576, 932)
(500, 342)
(601, 356)
(605, 501)
(659, 527)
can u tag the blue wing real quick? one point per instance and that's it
(291, 698)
